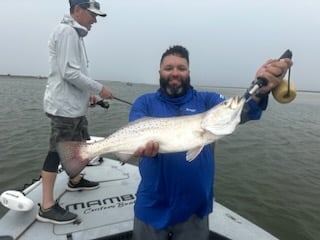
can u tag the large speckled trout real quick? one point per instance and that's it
(174, 134)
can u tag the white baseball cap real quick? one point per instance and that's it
(91, 5)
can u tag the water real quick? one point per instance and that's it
(267, 171)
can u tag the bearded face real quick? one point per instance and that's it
(174, 76)
(172, 89)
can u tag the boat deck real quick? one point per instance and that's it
(107, 212)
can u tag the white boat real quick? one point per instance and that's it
(104, 213)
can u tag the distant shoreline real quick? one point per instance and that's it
(128, 83)
(22, 76)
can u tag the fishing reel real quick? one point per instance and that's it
(103, 103)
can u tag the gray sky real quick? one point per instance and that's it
(227, 39)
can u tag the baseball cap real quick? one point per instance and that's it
(91, 5)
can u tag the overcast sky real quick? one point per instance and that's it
(227, 39)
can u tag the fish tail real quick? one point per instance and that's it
(73, 157)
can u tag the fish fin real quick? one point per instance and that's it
(123, 157)
(193, 153)
(73, 157)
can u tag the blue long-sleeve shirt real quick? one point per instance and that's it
(171, 188)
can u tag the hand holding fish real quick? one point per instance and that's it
(150, 150)
(273, 71)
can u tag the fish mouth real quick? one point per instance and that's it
(235, 102)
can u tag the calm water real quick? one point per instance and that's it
(267, 171)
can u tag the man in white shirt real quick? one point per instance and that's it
(69, 93)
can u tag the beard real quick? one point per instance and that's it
(173, 90)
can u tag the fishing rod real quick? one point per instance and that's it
(283, 93)
(121, 100)
(105, 104)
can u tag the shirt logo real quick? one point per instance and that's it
(191, 110)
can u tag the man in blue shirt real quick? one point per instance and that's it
(175, 197)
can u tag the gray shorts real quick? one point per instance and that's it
(67, 129)
(194, 228)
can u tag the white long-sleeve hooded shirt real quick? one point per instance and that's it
(69, 86)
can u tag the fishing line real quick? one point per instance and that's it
(288, 91)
